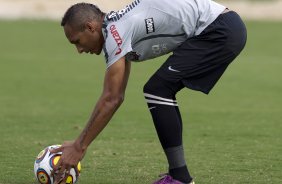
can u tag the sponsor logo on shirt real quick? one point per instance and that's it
(150, 27)
(117, 38)
(115, 16)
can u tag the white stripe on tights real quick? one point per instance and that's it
(158, 98)
(161, 103)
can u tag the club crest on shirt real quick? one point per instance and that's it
(150, 26)
(159, 49)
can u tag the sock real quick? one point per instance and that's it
(177, 165)
(168, 124)
(180, 174)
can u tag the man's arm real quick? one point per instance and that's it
(113, 94)
(115, 82)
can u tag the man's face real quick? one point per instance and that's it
(90, 40)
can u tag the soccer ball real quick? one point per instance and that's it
(43, 166)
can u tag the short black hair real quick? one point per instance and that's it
(80, 13)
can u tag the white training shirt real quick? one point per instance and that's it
(147, 29)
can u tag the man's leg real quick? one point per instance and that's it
(197, 64)
(160, 96)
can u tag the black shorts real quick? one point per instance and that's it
(201, 60)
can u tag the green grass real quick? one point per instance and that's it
(47, 92)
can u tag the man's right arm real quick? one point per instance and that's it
(113, 94)
(115, 82)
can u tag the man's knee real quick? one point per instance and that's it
(150, 87)
(153, 86)
(160, 87)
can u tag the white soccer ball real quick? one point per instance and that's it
(43, 166)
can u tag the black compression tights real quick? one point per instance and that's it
(160, 97)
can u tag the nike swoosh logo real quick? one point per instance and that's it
(173, 70)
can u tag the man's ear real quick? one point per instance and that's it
(90, 26)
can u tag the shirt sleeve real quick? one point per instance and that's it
(117, 43)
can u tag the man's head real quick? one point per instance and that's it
(82, 24)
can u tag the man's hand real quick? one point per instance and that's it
(71, 155)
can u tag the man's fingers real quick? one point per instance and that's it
(59, 175)
(57, 182)
(58, 165)
(56, 150)
(62, 176)
(57, 179)
(76, 171)
(66, 175)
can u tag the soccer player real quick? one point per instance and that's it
(204, 38)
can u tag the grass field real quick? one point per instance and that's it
(47, 91)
